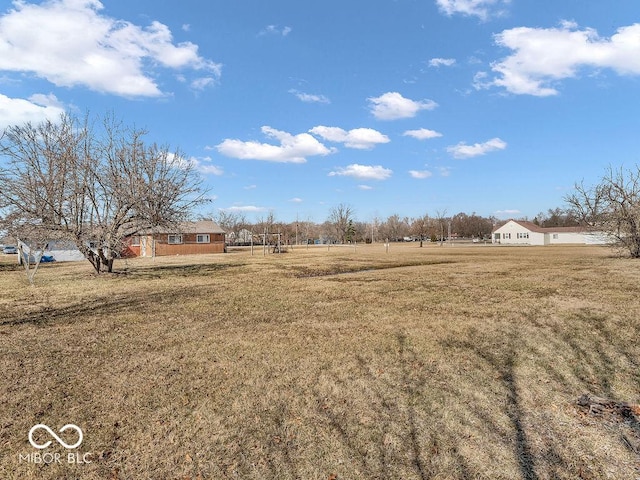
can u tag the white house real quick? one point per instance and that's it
(57, 250)
(520, 232)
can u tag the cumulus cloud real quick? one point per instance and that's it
(39, 107)
(275, 30)
(204, 165)
(543, 56)
(393, 106)
(439, 62)
(364, 172)
(422, 134)
(295, 200)
(292, 148)
(365, 187)
(482, 9)
(359, 138)
(420, 174)
(76, 45)
(462, 150)
(309, 98)
(202, 83)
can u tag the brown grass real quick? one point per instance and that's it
(435, 362)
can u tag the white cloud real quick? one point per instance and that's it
(76, 45)
(275, 30)
(479, 8)
(359, 138)
(202, 165)
(365, 172)
(420, 174)
(202, 83)
(243, 208)
(250, 187)
(422, 134)
(444, 171)
(462, 150)
(439, 62)
(18, 111)
(292, 148)
(365, 187)
(309, 98)
(392, 106)
(543, 56)
(296, 200)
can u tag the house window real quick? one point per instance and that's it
(506, 235)
(523, 235)
(555, 236)
(202, 238)
(174, 239)
(135, 241)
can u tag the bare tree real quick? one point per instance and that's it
(395, 227)
(362, 231)
(233, 223)
(93, 186)
(339, 218)
(612, 207)
(441, 222)
(471, 226)
(420, 227)
(556, 217)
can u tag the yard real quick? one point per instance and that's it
(342, 363)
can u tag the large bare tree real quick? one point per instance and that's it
(339, 218)
(420, 227)
(92, 182)
(612, 206)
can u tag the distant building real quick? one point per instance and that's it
(243, 237)
(55, 251)
(204, 236)
(520, 232)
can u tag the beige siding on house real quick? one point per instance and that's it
(512, 233)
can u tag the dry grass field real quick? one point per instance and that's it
(420, 363)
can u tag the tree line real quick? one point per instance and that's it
(343, 226)
(94, 182)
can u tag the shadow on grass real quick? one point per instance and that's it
(10, 267)
(585, 349)
(502, 363)
(106, 306)
(400, 436)
(341, 269)
(188, 270)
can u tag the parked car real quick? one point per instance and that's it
(9, 249)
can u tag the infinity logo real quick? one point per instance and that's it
(52, 433)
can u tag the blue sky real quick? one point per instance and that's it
(390, 106)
